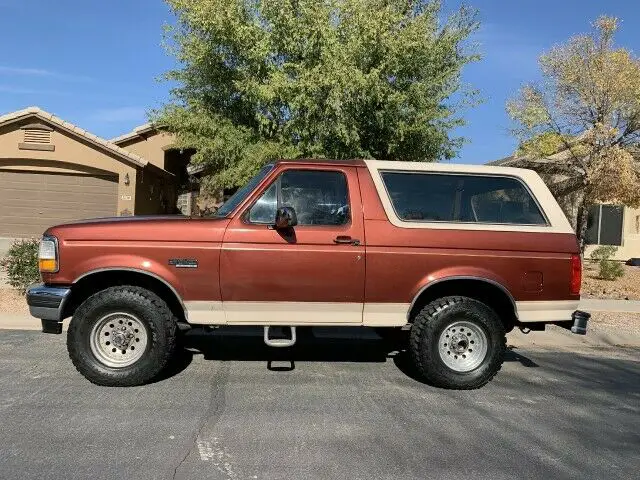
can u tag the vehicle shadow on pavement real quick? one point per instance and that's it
(358, 345)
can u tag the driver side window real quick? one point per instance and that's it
(318, 197)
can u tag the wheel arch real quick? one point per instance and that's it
(96, 280)
(486, 290)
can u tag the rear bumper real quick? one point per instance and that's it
(47, 302)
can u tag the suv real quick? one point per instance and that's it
(458, 255)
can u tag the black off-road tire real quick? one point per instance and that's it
(429, 324)
(149, 309)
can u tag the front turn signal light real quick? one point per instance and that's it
(48, 255)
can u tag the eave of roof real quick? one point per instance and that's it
(74, 130)
(136, 132)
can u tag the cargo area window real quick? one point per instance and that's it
(319, 198)
(431, 197)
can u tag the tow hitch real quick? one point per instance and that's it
(577, 324)
(580, 320)
(282, 340)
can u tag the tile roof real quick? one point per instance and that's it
(139, 130)
(71, 128)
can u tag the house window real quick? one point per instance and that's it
(604, 225)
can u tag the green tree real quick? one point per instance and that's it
(265, 79)
(584, 118)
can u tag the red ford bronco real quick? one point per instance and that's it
(458, 255)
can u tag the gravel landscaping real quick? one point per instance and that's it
(623, 322)
(626, 287)
(11, 302)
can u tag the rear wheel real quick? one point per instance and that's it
(457, 342)
(121, 336)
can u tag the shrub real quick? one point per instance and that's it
(21, 264)
(609, 269)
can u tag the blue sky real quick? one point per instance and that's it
(96, 63)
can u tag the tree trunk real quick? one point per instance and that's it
(582, 222)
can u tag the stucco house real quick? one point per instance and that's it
(608, 224)
(52, 171)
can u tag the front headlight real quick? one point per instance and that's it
(48, 255)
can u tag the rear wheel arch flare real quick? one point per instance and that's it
(490, 292)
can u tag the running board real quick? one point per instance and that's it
(280, 342)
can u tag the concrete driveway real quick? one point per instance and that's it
(349, 409)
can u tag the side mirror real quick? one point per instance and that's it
(286, 218)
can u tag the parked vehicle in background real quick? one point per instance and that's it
(458, 254)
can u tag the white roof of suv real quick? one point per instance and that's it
(558, 222)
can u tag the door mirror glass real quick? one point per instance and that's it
(286, 218)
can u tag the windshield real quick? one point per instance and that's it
(243, 192)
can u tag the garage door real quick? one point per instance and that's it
(32, 202)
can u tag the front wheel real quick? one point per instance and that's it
(121, 336)
(458, 343)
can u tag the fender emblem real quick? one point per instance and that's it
(184, 262)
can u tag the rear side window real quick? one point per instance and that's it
(431, 197)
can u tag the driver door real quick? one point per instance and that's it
(311, 273)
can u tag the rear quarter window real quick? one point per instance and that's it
(437, 197)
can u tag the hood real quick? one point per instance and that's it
(150, 228)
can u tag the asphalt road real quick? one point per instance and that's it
(347, 410)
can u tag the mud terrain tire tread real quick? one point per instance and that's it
(150, 309)
(429, 323)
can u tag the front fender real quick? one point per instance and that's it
(136, 263)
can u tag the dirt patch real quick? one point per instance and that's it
(626, 287)
(11, 302)
(623, 322)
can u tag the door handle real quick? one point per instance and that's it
(346, 239)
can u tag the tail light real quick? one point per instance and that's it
(576, 274)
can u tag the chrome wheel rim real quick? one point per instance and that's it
(119, 339)
(463, 346)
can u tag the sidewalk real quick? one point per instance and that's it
(603, 305)
(19, 322)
